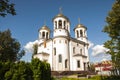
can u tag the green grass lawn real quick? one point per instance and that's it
(76, 79)
(96, 77)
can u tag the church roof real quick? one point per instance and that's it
(45, 28)
(60, 15)
(80, 26)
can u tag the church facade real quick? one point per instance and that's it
(63, 52)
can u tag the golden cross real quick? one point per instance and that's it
(79, 20)
(60, 9)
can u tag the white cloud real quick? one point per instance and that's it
(98, 52)
(29, 46)
(98, 49)
(104, 59)
(90, 44)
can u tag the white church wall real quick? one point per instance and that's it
(60, 32)
(61, 45)
(73, 59)
(46, 48)
(38, 56)
(86, 53)
(81, 67)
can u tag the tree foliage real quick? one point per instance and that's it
(92, 67)
(9, 47)
(113, 30)
(35, 70)
(35, 66)
(6, 8)
(41, 70)
(35, 49)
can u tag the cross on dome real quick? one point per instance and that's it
(78, 20)
(60, 9)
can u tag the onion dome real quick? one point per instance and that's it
(61, 15)
(80, 26)
(44, 28)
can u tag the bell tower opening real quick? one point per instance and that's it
(43, 35)
(81, 33)
(77, 34)
(60, 24)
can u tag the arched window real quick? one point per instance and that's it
(66, 63)
(55, 24)
(80, 51)
(43, 34)
(60, 58)
(73, 50)
(65, 41)
(54, 50)
(81, 33)
(47, 35)
(60, 24)
(77, 34)
(78, 63)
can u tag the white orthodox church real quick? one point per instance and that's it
(63, 52)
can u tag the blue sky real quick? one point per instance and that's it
(32, 14)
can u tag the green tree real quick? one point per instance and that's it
(35, 49)
(45, 71)
(113, 30)
(92, 67)
(20, 54)
(6, 8)
(36, 69)
(9, 47)
(41, 70)
(4, 66)
(19, 71)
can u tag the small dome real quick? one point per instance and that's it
(80, 26)
(60, 15)
(44, 28)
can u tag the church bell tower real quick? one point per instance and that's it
(44, 33)
(81, 32)
(61, 25)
